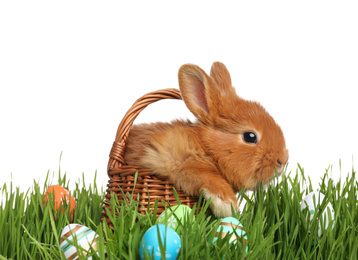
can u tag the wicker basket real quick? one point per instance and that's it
(122, 176)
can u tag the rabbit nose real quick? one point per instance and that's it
(279, 163)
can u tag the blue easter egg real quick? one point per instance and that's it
(150, 242)
(228, 226)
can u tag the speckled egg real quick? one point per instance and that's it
(311, 203)
(150, 242)
(174, 217)
(59, 194)
(86, 238)
(228, 226)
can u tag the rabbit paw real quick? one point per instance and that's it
(220, 205)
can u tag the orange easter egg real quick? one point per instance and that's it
(59, 194)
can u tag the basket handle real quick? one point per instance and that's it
(116, 156)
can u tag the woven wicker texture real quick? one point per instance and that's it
(122, 176)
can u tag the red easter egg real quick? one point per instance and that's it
(59, 194)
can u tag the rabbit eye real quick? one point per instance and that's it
(250, 137)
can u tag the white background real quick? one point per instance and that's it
(70, 70)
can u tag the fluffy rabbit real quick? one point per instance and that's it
(235, 143)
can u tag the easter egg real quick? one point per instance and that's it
(228, 226)
(59, 194)
(174, 217)
(150, 242)
(86, 239)
(311, 203)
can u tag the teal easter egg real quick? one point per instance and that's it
(228, 226)
(150, 242)
(174, 217)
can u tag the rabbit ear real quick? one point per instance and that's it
(206, 97)
(195, 87)
(221, 76)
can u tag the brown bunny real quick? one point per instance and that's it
(235, 143)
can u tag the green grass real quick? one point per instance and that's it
(275, 226)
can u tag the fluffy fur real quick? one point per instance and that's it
(211, 155)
